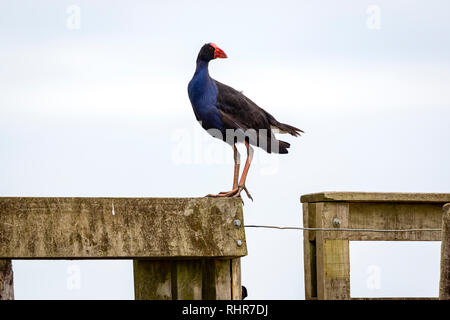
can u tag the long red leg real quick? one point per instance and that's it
(237, 163)
(247, 164)
(238, 187)
(241, 185)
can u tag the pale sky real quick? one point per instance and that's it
(100, 108)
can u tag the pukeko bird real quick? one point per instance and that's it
(229, 115)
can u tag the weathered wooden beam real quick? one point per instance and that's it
(444, 286)
(395, 298)
(377, 197)
(93, 228)
(392, 216)
(6, 280)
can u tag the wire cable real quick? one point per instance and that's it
(339, 229)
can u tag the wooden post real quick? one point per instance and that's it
(326, 259)
(444, 286)
(152, 280)
(218, 280)
(187, 280)
(332, 256)
(6, 280)
(309, 252)
(212, 279)
(236, 286)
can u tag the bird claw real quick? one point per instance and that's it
(243, 187)
(236, 192)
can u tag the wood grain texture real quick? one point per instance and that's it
(394, 216)
(93, 228)
(377, 197)
(383, 216)
(207, 279)
(187, 277)
(444, 285)
(309, 254)
(152, 279)
(332, 256)
(6, 280)
(218, 279)
(236, 286)
(223, 280)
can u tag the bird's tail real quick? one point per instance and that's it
(271, 144)
(275, 146)
(283, 147)
(285, 128)
(282, 127)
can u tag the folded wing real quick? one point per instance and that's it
(243, 115)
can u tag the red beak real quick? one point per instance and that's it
(218, 53)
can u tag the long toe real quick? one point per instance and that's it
(233, 193)
(243, 187)
(224, 194)
(248, 193)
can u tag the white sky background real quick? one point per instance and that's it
(103, 111)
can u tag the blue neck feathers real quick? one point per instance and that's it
(203, 92)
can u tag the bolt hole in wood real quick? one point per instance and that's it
(389, 269)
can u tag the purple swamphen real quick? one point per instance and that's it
(229, 115)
